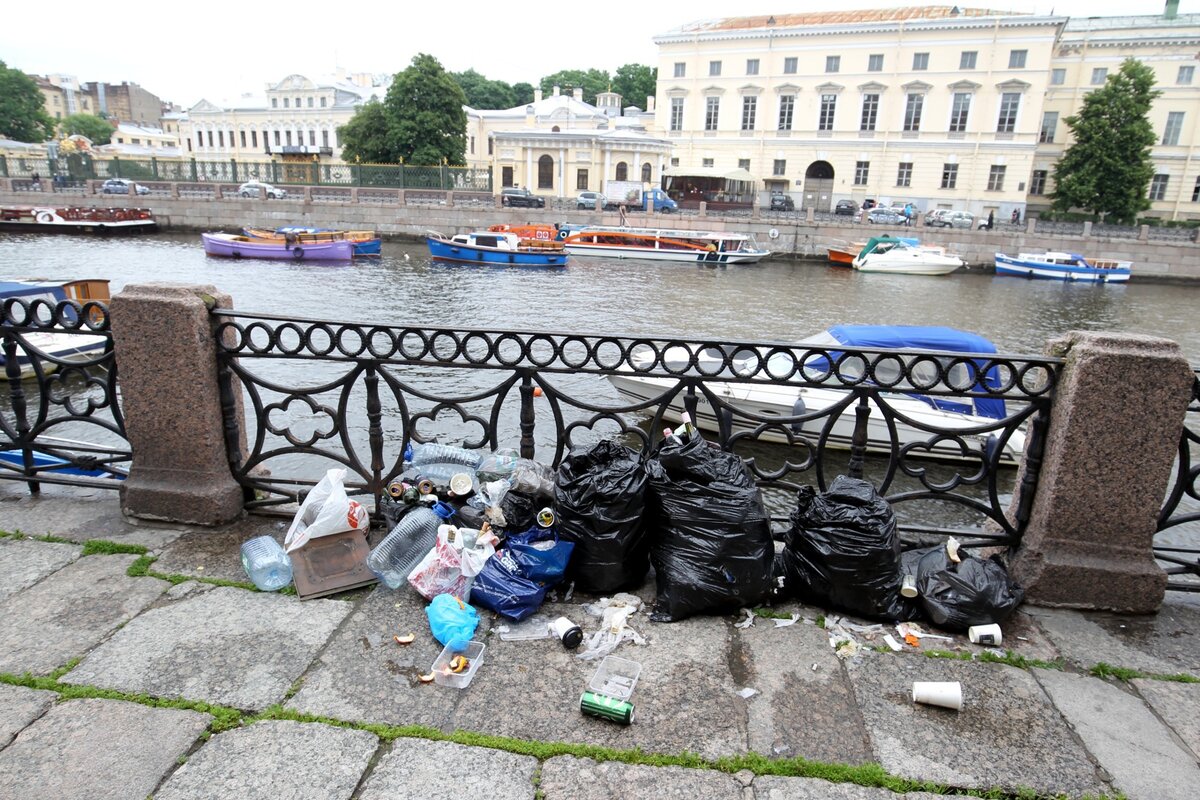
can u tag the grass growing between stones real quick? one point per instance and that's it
(44, 538)
(103, 547)
(141, 569)
(1126, 674)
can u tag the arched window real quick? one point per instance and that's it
(545, 172)
(646, 172)
(622, 171)
(554, 129)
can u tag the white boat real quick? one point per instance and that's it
(661, 244)
(1064, 267)
(921, 420)
(51, 347)
(903, 257)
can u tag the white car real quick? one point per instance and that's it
(260, 189)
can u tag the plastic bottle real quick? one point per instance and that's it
(266, 563)
(406, 544)
(498, 464)
(441, 473)
(433, 453)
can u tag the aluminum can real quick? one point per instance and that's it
(605, 707)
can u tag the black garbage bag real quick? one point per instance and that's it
(600, 499)
(843, 551)
(955, 596)
(710, 535)
(519, 509)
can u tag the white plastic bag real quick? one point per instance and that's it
(451, 566)
(326, 510)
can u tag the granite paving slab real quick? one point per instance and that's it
(364, 675)
(1085, 642)
(685, 699)
(97, 750)
(216, 553)
(571, 778)
(1173, 634)
(229, 646)
(1126, 739)
(68, 613)
(1007, 735)
(418, 769)
(57, 511)
(770, 787)
(1178, 705)
(19, 707)
(294, 760)
(24, 562)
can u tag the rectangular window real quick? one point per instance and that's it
(751, 66)
(1158, 187)
(1006, 122)
(1058, 77)
(674, 162)
(949, 176)
(833, 63)
(676, 123)
(706, 163)
(744, 163)
(828, 107)
(286, 102)
(277, 138)
(680, 69)
(1016, 59)
(749, 112)
(870, 112)
(712, 110)
(967, 59)
(787, 107)
(211, 140)
(779, 167)
(221, 139)
(912, 112)
(242, 137)
(996, 178)
(714, 69)
(1174, 128)
(1049, 124)
(789, 65)
(274, 102)
(1099, 76)
(1037, 182)
(1196, 192)
(1186, 73)
(310, 102)
(862, 171)
(904, 174)
(920, 62)
(287, 138)
(472, 144)
(875, 62)
(506, 176)
(323, 102)
(492, 147)
(581, 179)
(312, 138)
(960, 111)
(325, 140)
(254, 139)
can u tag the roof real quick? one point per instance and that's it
(554, 105)
(838, 18)
(1140, 22)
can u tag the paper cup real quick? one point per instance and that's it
(909, 587)
(986, 634)
(946, 694)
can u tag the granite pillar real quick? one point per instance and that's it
(1113, 435)
(168, 366)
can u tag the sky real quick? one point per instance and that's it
(215, 49)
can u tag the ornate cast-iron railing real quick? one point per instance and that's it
(62, 423)
(1181, 511)
(318, 394)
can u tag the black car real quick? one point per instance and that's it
(518, 197)
(846, 208)
(782, 202)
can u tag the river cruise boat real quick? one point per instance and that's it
(366, 243)
(1064, 267)
(76, 219)
(495, 247)
(904, 256)
(232, 245)
(659, 244)
(49, 348)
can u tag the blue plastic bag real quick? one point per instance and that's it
(501, 588)
(452, 621)
(540, 554)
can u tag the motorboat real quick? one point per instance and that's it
(842, 253)
(50, 348)
(902, 256)
(1064, 267)
(232, 245)
(495, 247)
(76, 219)
(789, 413)
(366, 243)
(659, 244)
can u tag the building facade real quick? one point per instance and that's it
(125, 103)
(63, 96)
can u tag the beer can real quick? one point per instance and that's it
(545, 517)
(425, 486)
(605, 707)
(396, 489)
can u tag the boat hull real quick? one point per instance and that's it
(229, 246)
(842, 258)
(931, 266)
(101, 221)
(364, 245)
(50, 348)
(445, 250)
(687, 256)
(1006, 265)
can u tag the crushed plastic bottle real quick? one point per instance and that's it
(407, 543)
(433, 453)
(266, 563)
(498, 465)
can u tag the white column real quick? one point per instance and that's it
(562, 171)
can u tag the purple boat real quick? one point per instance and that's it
(234, 245)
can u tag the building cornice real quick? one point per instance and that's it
(859, 28)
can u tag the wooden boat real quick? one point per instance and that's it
(366, 243)
(842, 255)
(76, 219)
(1064, 267)
(233, 245)
(51, 349)
(716, 247)
(494, 247)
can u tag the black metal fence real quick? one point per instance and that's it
(1181, 511)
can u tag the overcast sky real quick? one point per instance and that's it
(183, 52)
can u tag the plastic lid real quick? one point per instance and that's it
(408, 452)
(442, 510)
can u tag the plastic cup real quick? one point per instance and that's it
(909, 587)
(986, 634)
(946, 694)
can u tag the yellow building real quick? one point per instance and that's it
(63, 96)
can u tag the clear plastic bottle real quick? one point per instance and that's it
(407, 543)
(266, 563)
(441, 473)
(433, 453)
(498, 465)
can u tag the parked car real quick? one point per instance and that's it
(951, 219)
(260, 189)
(782, 202)
(933, 217)
(520, 197)
(121, 186)
(588, 200)
(847, 208)
(885, 216)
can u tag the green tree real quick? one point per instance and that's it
(1107, 170)
(635, 82)
(89, 125)
(22, 115)
(482, 92)
(366, 136)
(591, 81)
(522, 94)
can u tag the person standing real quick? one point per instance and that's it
(991, 220)
(621, 214)
(1016, 217)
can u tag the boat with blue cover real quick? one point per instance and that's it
(366, 243)
(495, 247)
(1062, 266)
(48, 348)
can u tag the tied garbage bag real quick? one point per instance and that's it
(326, 510)
(712, 547)
(452, 621)
(540, 553)
(501, 587)
(843, 550)
(958, 594)
(600, 496)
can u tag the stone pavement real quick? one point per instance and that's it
(167, 684)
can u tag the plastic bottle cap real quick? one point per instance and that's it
(442, 510)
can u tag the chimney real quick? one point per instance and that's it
(650, 103)
(556, 91)
(537, 95)
(577, 93)
(1172, 9)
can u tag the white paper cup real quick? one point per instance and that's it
(986, 634)
(909, 587)
(947, 694)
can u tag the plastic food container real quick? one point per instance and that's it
(615, 677)
(442, 675)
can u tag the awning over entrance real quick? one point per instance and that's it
(710, 172)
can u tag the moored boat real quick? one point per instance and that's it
(366, 243)
(532, 234)
(658, 244)
(233, 245)
(843, 253)
(1064, 267)
(52, 349)
(76, 219)
(494, 247)
(904, 256)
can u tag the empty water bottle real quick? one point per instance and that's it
(267, 564)
(433, 453)
(407, 543)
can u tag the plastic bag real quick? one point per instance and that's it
(499, 586)
(452, 564)
(541, 554)
(600, 497)
(519, 510)
(713, 549)
(955, 596)
(325, 511)
(452, 621)
(843, 551)
(497, 465)
(534, 479)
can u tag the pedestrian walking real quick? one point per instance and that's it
(621, 214)
(1016, 217)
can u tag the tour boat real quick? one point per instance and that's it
(659, 244)
(494, 247)
(233, 245)
(532, 234)
(922, 420)
(50, 348)
(76, 219)
(904, 256)
(366, 243)
(1064, 267)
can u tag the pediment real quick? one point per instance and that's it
(294, 82)
(1014, 85)
(205, 106)
(750, 88)
(787, 88)
(913, 87)
(872, 87)
(714, 90)
(965, 86)
(830, 88)
(676, 91)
